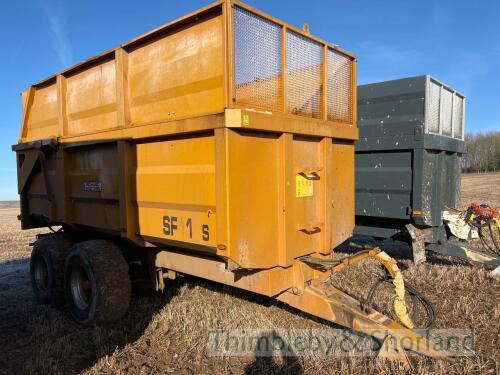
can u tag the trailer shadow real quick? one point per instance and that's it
(43, 339)
(267, 363)
(397, 249)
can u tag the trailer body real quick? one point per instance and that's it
(220, 145)
(179, 138)
(224, 139)
(408, 157)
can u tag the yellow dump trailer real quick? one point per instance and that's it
(219, 145)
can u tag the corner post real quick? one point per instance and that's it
(324, 84)
(27, 98)
(122, 98)
(62, 120)
(227, 11)
(283, 68)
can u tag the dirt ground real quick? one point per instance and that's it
(167, 333)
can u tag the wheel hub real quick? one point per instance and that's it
(80, 287)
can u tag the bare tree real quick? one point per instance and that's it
(483, 152)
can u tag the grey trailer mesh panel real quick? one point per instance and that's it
(304, 61)
(458, 113)
(257, 45)
(446, 111)
(433, 115)
(339, 87)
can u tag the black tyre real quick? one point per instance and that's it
(96, 282)
(47, 268)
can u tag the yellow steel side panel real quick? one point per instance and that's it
(178, 75)
(253, 188)
(269, 224)
(91, 99)
(42, 117)
(93, 184)
(307, 221)
(342, 191)
(175, 189)
(100, 214)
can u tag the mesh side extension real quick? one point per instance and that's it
(446, 111)
(458, 112)
(339, 87)
(304, 62)
(257, 45)
(434, 105)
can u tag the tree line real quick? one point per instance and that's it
(483, 152)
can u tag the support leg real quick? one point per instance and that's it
(418, 239)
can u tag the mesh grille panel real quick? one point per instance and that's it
(257, 44)
(434, 99)
(304, 61)
(446, 110)
(339, 88)
(458, 113)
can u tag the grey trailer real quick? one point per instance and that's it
(408, 159)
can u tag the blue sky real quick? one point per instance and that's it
(456, 41)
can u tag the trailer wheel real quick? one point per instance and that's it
(47, 268)
(96, 282)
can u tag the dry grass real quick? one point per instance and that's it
(481, 188)
(9, 204)
(167, 333)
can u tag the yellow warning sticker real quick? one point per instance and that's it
(246, 120)
(303, 187)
